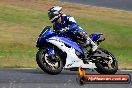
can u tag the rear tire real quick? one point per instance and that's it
(101, 67)
(41, 61)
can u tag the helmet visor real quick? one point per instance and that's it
(50, 15)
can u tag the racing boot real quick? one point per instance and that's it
(91, 44)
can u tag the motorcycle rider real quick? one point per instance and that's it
(62, 22)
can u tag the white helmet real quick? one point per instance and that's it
(55, 13)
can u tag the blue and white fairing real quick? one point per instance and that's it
(47, 35)
(66, 45)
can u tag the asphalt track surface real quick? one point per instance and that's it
(36, 78)
(116, 4)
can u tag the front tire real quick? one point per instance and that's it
(47, 65)
(106, 68)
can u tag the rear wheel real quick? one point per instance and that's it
(107, 65)
(51, 64)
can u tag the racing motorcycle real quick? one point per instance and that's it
(57, 52)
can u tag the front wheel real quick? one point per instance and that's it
(105, 65)
(51, 64)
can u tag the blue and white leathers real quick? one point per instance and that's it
(68, 22)
(65, 45)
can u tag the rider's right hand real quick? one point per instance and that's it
(64, 29)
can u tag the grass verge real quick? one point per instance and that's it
(22, 20)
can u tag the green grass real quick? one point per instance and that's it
(21, 22)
